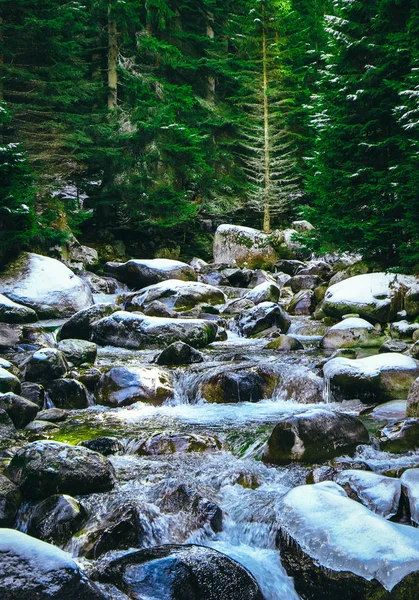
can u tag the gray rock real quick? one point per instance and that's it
(10, 499)
(179, 353)
(45, 365)
(33, 392)
(7, 429)
(78, 327)
(176, 295)
(304, 282)
(202, 511)
(403, 330)
(317, 267)
(290, 267)
(9, 382)
(262, 317)
(56, 519)
(410, 485)
(412, 408)
(180, 443)
(142, 273)
(78, 352)
(11, 312)
(243, 246)
(302, 226)
(237, 306)
(284, 343)
(393, 346)
(45, 285)
(53, 415)
(43, 468)
(264, 292)
(122, 386)
(400, 436)
(68, 394)
(314, 435)
(103, 445)
(352, 332)
(40, 429)
(20, 410)
(302, 303)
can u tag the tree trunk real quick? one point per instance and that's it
(267, 142)
(210, 79)
(112, 61)
(1, 60)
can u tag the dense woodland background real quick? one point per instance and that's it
(148, 123)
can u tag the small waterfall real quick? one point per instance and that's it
(327, 394)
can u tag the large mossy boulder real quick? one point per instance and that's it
(68, 394)
(400, 436)
(263, 316)
(34, 570)
(243, 246)
(41, 469)
(78, 352)
(78, 326)
(138, 331)
(373, 379)
(314, 436)
(264, 292)
(176, 295)
(352, 332)
(142, 273)
(45, 285)
(122, 386)
(334, 547)
(11, 312)
(44, 365)
(377, 297)
(174, 572)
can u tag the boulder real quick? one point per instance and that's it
(412, 408)
(302, 226)
(411, 301)
(40, 429)
(290, 267)
(260, 276)
(122, 386)
(179, 572)
(243, 246)
(377, 297)
(378, 493)
(56, 519)
(20, 410)
(373, 379)
(182, 443)
(262, 317)
(334, 547)
(142, 273)
(11, 312)
(68, 394)
(242, 383)
(403, 330)
(45, 365)
(394, 346)
(137, 331)
(302, 303)
(352, 332)
(314, 436)
(410, 485)
(400, 436)
(236, 306)
(78, 352)
(100, 285)
(10, 336)
(53, 415)
(176, 295)
(7, 429)
(179, 353)
(317, 267)
(78, 327)
(10, 499)
(43, 468)
(304, 282)
(45, 285)
(9, 382)
(413, 350)
(104, 445)
(34, 570)
(264, 292)
(302, 386)
(197, 263)
(33, 392)
(284, 343)
(202, 512)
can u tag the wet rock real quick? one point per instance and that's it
(285, 343)
(232, 384)
(122, 386)
(10, 499)
(158, 309)
(68, 393)
(202, 511)
(78, 327)
(260, 276)
(53, 415)
(171, 443)
(378, 493)
(329, 471)
(352, 332)
(20, 410)
(302, 303)
(179, 353)
(403, 330)
(141, 273)
(9, 336)
(261, 317)
(176, 295)
(393, 346)
(43, 468)
(290, 267)
(7, 429)
(33, 392)
(45, 285)
(411, 302)
(243, 246)
(236, 306)
(104, 445)
(40, 429)
(414, 350)
(374, 296)
(89, 377)
(302, 386)
(373, 379)
(410, 486)
(33, 570)
(314, 435)
(9, 382)
(133, 330)
(400, 436)
(412, 408)
(317, 267)
(11, 312)
(304, 282)
(45, 365)
(56, 519)
(319, 540)
(175, 572)
(99, 285)
(238, 278)
(197, 263)
(127, 526)
(264, 292)
(78, 352)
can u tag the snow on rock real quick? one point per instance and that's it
(375, 378)
(374, 296)
(320, 528)
(45, 285)
(410, 483)
(11, 312)
(31, 569)
(142, 273)
(264, 292)
(378, 493)
(352, 332)
(243, 246)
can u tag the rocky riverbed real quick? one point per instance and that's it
(244, 429)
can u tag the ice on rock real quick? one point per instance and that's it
(371, 366)
(352, 323)
(163, 264)
(379, 493)
(410, 483)
(343, 535)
